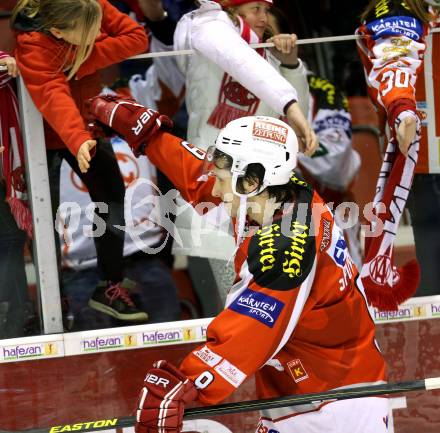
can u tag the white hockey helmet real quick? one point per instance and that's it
(258, 139)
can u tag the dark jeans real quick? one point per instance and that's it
(424, 207)
(105, 184)
(13, 286)
(155, 293)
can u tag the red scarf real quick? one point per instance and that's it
(12, 157)
(234, 100)
(386, 285)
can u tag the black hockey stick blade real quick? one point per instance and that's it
(252, 405)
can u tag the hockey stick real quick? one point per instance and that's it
(252, 405)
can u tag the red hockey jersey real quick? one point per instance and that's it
(295, 316)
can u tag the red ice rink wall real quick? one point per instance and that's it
(69, 389)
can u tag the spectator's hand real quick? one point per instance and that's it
(2, 149)
(406, 133)
(285, 50)
(307, 141)
(83, 156)
(152, 9)
(161, 403)
(11, 65)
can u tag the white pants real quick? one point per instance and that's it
(362, 415)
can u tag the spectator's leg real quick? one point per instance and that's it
(105, 184)
(13, 285)
(54, 160)
(79, 286)
(155, 290)
(424, 207)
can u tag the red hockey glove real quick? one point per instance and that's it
(162, 400)
(132, 121)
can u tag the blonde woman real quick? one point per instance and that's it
(227, 79)
(61, 45)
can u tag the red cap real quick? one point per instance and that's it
(229, 3)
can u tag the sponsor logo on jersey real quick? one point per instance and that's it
(398, 25)
(208, 356)
(338, 250)
(266, 241)
(230, 373)
(270, 131)
(84, 425)
(326, 236)
(297, 370)
(258, 306)
(295, 255)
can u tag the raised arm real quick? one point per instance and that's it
(120, 38)
(49, 88)
(144, 130)
(391, 48)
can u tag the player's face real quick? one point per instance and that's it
(223, 190)
(255, 14)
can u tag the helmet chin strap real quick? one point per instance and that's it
(241, 216)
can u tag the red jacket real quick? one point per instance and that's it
(40, 58)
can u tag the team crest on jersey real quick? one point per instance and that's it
(297, 370)
(259, 306)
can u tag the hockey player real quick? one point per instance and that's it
(296, 305)
(392, 46)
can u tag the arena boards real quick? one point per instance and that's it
(63, 379)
